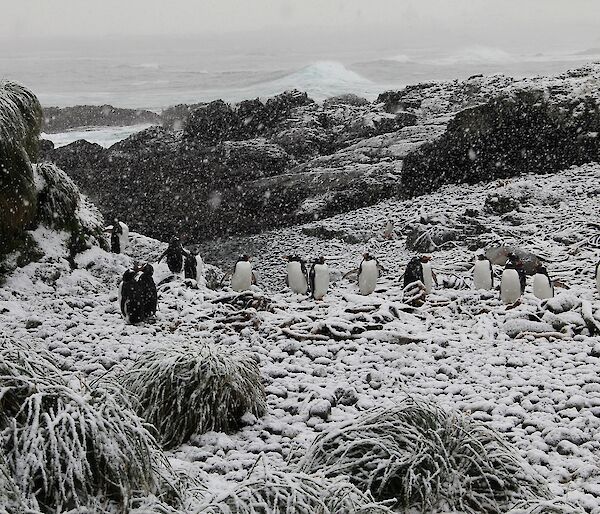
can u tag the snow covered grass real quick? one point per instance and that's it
(195, 388)
(67, 448)
(425, 457)
(272, 491)
(326, 363)
(58, 196)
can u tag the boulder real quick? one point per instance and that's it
(427, 238)
(212, 123)
(498, 255)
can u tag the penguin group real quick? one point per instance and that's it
(138, 297)
(513, 280)
(138, 294)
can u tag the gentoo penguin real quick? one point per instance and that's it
(388, 232)
(542, 285)
(174, 253)
(598, 277)
(428, 274)
(511, 283)
(368, 273)
(414, 271)
(243, 276)
(190, 266)
(126, 288)
(297, 276)
(483, 275)
(115, 236)
(146, 290)
(131, 304)
(319, 279)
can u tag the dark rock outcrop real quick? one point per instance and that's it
(238, 169)
(521, 132)
(59, 119)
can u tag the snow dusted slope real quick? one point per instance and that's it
(530, 372)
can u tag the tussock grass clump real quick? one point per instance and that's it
(65, 448)
(58, 196)
(280, 492)
(20, 122)
(425, 458)
(195, 388)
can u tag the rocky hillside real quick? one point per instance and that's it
(530, 372)
(254, 166)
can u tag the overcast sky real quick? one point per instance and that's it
(539, 22)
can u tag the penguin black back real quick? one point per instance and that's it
(127, 289)
(414, 271)
(115, 239)
(190, 267)
(148, 295)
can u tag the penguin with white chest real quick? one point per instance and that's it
(428, 274)
(297, 275)
(319, 279)
(243, 276)
(483, 274)
(512, 283)
(542, 285)
(368, 273)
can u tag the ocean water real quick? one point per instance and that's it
(156, 74)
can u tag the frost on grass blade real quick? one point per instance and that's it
(66, 448)
(195, 388)
(425, 458)
(272, 491)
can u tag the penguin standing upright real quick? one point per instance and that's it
(190, 266)
(243, 276)
(126, 288)
(174, 253)
(598, 277)
(512, 282)
(147, 291)
(116, 231)
(368, 273)
(319, 279)
(428, 274)
(542, 285)
(483, 274)
(131, 301)
(413, 272)
(388, 231)
(297, 276)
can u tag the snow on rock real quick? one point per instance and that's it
(530, 372)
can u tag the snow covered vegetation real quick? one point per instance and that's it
(265, 401)
(195, 388)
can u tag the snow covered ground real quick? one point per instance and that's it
(530, 372)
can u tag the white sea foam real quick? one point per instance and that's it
(104, 136)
